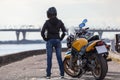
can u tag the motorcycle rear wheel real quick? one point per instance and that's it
(101, 67)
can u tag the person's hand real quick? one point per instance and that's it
(45, 39)
(61, 39)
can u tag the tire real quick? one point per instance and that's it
(101, 68)
(74, 71)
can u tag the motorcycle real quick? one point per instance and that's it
(86, 54)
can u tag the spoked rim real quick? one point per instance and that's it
(72, 71)
(97, 70)
(100, 68)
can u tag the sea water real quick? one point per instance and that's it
(6, 49)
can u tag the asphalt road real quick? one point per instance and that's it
(33, 68)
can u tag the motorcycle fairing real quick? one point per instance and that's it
(68, 54)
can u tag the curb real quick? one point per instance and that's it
(4, 60)
(115, 56)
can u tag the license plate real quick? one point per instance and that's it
(101, 49)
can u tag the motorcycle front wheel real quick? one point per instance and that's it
(74, 70)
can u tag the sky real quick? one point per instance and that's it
(33, 12)
(71, 12)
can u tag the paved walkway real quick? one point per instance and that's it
(33, 68)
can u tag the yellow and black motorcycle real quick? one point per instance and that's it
(86, 55)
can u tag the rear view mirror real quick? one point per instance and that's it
(84, 21)
(82, 25)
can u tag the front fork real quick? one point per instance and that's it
(75, 61)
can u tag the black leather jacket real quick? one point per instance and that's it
(53, 26)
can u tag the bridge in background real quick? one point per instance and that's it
(100, 30)
(25, 30)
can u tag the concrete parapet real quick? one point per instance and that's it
(21, 55)
(18, 56)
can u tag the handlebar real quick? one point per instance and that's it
(87, 28)
(81, 32)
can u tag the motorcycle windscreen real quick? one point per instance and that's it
(79, 43)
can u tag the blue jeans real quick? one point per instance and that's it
(54, 43)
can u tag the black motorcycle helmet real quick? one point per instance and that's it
(51, 12)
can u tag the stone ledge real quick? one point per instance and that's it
(19, 56)
(4, 60)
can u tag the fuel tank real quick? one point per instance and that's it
(79, 43)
